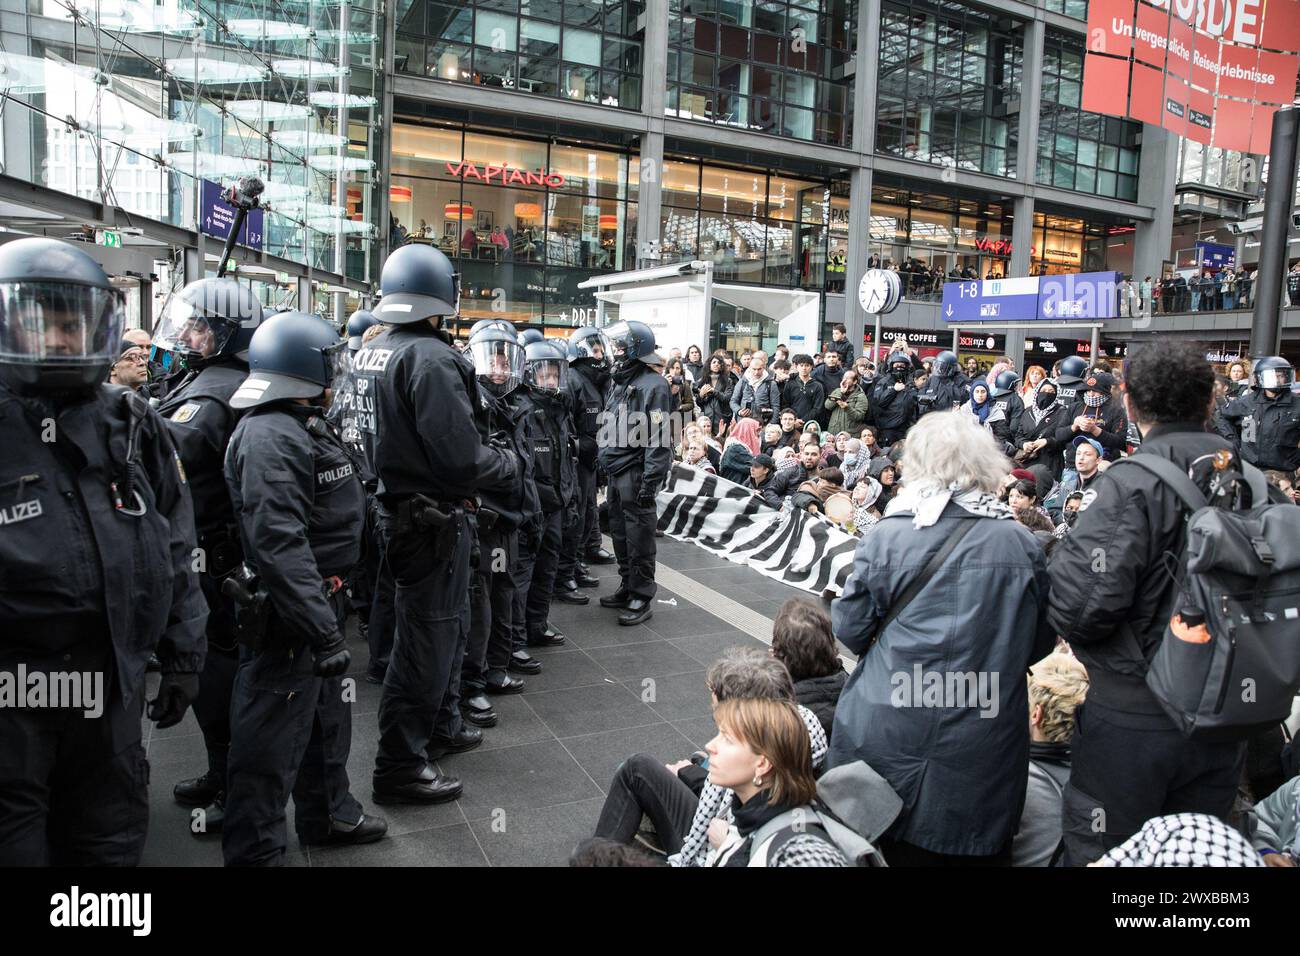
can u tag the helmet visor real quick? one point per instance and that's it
(1275, 378)
(548, 375)
(190, 330)
(45, 323)
(498, 362)
(595, 347)
(618, 339)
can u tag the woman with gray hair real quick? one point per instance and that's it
(946, 607)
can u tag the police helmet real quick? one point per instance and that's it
(591, 345)
(944, 364)
(482, 324)
(1071, 369)
(899, 360)
(292, 355)
(357, 325)
(1005, 383)
(61, 320)
(498, 359)
(529, 336)
(417, 283)
(631, 340)
(1273, 373)
(207, 320)
(546, 367)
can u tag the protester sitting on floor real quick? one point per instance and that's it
(1057, 686)
(771, 438)
(1069, 514)
(642, 786)
(802, 641)
(1183, 839)
(760, 480)
(739, 451)
(885, 472)
(865, 496)
(812, 494)
(1273, 823)
(1024, 494)
(855, 464)
(1035, 520)
(697, 456)
(597, 851)
(761, 754)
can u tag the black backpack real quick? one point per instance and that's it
(1229, 661)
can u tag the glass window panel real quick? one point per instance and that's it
(582, 46)
(538, 75)
(496, 31)
(539, 39)
(495, 69)
(450, 22)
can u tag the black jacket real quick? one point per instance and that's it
(1269, 428)
(808, 400)
(892, 409)
(1049, 428)
(201, 421)
(820, 695)
(637, 420)
(548, 431)
(1110, 416)
(75, 571)
(511, 426)
(1111, 593)
(941, 395)
(765, 490)
(432, 430)
(785, 483)
(717, 404)
(300, 506)
(845, 350)
(588, 386)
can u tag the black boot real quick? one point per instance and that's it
(521, 662)
(368, 829)
(544, 637)
(197, 791)
(566, 592)
(618, 599)
(599, 556)
(637, 612)
(478, 710)
(429, 787)
(583, 578)
(468, 739)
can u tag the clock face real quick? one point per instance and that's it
(876, 291)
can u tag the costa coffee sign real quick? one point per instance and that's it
(505, 175)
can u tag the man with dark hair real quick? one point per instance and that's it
(841, 346)
(789, 429)
(804, 393)
(761, 470)
(828, 374)
(1111, 597)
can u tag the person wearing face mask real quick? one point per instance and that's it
(1069, 514)
(946, 388)
(1267, 417)
(855, 463)
(1099, 416)
(1036, 437)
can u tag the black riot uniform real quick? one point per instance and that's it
(945, 389)
(546, 408)
(1267, 417)
(489, 655)
(636, 452)
(96, 551)
(206, 329)
(1004, 399)
(299, 503)
(894, 409)
(1069, 382)
(432, 457)
(588, 386)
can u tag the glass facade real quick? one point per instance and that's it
(947, 75)
(154, 106)
(525, 220)
(588, 50)
(771, 66)
(1069, 8)
(911, 226)
(1067, 244)
(1082, 151)
(758, 227)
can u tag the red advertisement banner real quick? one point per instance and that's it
(1232, 121)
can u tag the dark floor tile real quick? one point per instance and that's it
(633, 662)
(600, 754)
(562, 668)
(585, 710)
(709, 647)
(541, 837)
(445, 846)
(676, 696)
(601, 629)
(402, 818)
(698, 730)
(533, 775)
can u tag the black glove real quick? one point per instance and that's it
(331, 658)
(646, 498)
(175, 694)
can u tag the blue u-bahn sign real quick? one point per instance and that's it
(1059, 298)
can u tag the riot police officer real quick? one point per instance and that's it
(96, 545)
(432, 457)
(635, 450)
(588, 383)
(945, 389)
(893, 399)
(298, 501)
(358, 323)
(546, 368)
(1267, 418)
(1069, 382)
(206, 330)
(490, 655)
(1005, 399)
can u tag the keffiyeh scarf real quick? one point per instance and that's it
(925, 501)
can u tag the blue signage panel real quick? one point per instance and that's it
(991, 300)
(1088, 295)
(1216, 255)
(216, 217)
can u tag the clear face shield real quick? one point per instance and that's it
(616, 339)
(190, 331)
(1275, 379)
(594, 347)
(548, 375)
(342, 369)
(498, 364)
(56, 324)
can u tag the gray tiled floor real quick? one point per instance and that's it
(536, 786)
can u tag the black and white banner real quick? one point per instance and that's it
(794, 547)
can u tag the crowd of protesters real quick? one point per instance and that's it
(985, 495)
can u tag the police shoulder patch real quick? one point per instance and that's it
(186, 412)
